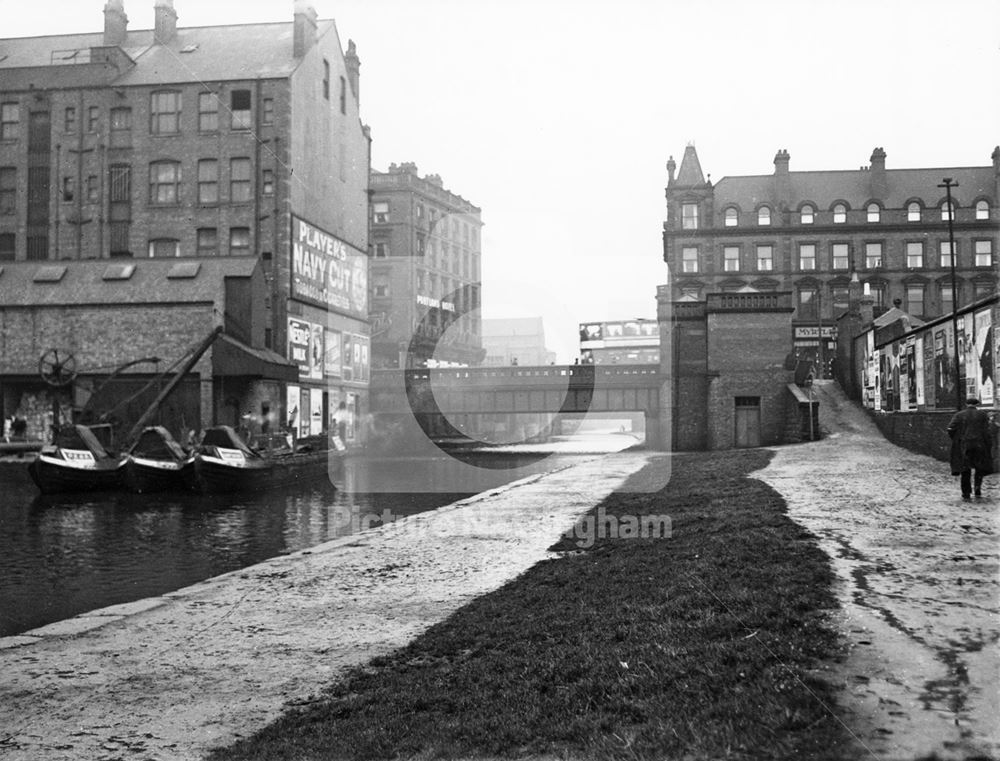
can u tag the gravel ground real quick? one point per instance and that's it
(171, 677)
(918, 582)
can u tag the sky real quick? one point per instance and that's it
(557, 117)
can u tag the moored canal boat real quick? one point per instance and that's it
(76, 461)
(156, 462)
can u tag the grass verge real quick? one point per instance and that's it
(695, 646)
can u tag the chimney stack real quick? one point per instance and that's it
(353, 64)
(304, 30)
(115, 23)
(878, 180)
(165, 24)
(782, 180)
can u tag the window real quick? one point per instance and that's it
(944, 248)
(874, 212)
(984, 253)
(343, 95)
(239, 241)
(121, 119)
(208, 181)
(267, 182)
(947, 212)
(165, 113)
(765, 258)
(981, 289)
(240, 109)
(208, 241)
(208, 112)
(982, 210)
(267, 115)
(421, 245)
(732, 217)
(689, 216)
(839, 214)
(913, 212)
(947, 298)
(326, 79)
(690, 292)
(763, 216)
(840, 255)
(10, 121)
(381, 250)
(807, 257)
(93, 192)
(420, 211)
(68, 188)
(120, 190)
(807, 215)
(164, 182)
(877, 292)
(873, 255)
(841, 299)
(93, 118)
(915, 255)
(69, 119)
(731, 259)
(807, 302)
(163, 247)
(239, 180)
(7, 241)
(381, 211)
(915, 299)
(689, 260)
(8, 190)
(38, 247)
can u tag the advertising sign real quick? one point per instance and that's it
(982, 356)
(316, 346)
(299, 345)
(332, 363)
(292, 406)
(921, 360)
(328, 272)
(315, 412)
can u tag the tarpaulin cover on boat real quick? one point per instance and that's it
(80, 437)
(156, 443)
(224, 436)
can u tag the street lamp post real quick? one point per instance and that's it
(948, 184)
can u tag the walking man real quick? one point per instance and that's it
(971, 447)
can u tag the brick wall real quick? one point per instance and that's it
(922, 432)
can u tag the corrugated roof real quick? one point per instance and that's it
(217, 53)
(823, 188)
(84, 283)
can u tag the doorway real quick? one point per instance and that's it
(747, 421)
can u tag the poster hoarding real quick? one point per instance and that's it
(327, 272)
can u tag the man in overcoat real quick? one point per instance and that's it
(971, 447)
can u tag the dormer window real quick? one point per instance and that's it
(839, 214)
(689, 216)
(874, 212)
(732, 217)
(913, 212)
(764, 216)
(807, 215)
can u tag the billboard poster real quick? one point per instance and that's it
(944, 370)
(332, 360)
(315, 412)
(920, 358)
(299, 348)
(983, 356)
(328, 272)
(316, 345)
(347, 364)
(876, 370)
(292, 399)
(304, 412)
(911, 372)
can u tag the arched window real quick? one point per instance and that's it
(948, 212)
(732, 216)
(913, 212)
(839, 213)
(763, 216)
(874, 212)
(982, 210)
(807, 214)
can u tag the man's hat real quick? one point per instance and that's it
(972, 400)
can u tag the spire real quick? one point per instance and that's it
(690, 173)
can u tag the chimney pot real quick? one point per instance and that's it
(115, 23)
(304, 28)
(165, 22)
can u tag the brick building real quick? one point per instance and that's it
(425, 272)
(515, 341)
(230, 147)
(808, 232)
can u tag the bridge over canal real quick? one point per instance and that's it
(517, 402)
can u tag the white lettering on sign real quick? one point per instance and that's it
(78, 455)
(234, 456)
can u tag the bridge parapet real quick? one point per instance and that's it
(523, 376)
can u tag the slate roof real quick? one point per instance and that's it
(216, 53)
(83, 282)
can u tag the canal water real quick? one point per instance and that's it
(65, 555)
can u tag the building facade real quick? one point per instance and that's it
(627, 342)
(810, 232)
(207, 144)
(515, 341)
(425, 272)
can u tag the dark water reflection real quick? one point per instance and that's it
(65, 555)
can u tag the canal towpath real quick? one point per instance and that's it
(173, 676)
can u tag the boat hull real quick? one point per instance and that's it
(144, 475)
(53, 475)
(216, 475)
